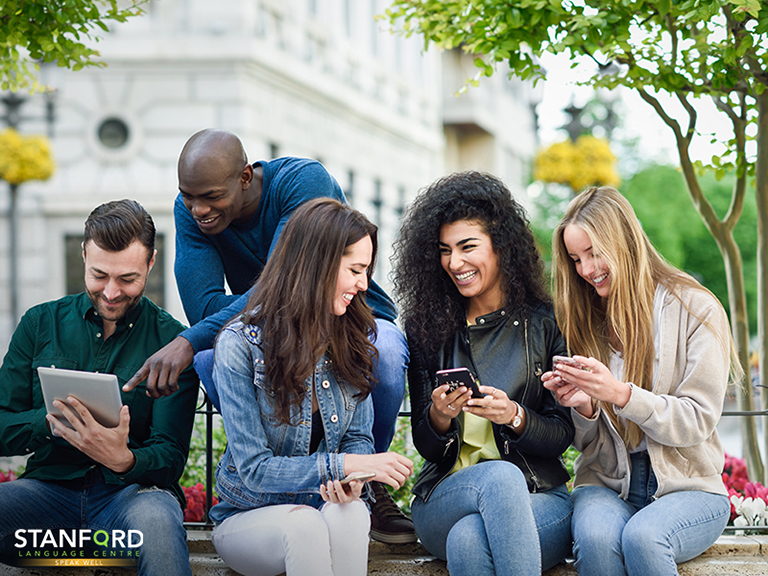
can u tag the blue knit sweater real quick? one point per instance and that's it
(239, 253)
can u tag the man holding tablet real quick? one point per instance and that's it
(90, 491)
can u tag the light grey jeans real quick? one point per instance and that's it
(297, 540)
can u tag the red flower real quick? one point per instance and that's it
(195, 495)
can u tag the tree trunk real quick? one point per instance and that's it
(761, 185)
(737, 300)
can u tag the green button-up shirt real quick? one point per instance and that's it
(68, 333)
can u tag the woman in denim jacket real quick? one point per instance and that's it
(294, 377)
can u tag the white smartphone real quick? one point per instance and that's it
(567, 360)
(362, 476)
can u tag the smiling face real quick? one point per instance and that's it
(467, 256)
(589, 265)
(215, 194)
(352, 277)
(115, 281)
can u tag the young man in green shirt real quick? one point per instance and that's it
(112, 491)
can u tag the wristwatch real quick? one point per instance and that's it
(518, 419)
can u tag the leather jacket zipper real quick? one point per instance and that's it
(534, 478)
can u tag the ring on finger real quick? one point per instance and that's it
(450, 407)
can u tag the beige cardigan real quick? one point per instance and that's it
(678, 417)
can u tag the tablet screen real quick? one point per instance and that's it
(100, 393)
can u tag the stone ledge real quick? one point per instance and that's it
(730, 555)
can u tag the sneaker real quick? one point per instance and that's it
(388, 523)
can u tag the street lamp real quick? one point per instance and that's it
(12, 117)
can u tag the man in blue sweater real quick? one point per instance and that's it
(229, 215)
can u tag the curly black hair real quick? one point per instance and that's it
(430, 304)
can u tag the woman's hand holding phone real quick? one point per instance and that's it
(577, 386)
(495, 406)
(567, 394)
(446, 405)
(337, 493)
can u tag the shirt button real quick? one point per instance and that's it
(481, 321)
(516, 322)
(503, 312)
(326, 384)
(334, 418)
(98, 334)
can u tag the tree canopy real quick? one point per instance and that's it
(61, 31)
(684, 49)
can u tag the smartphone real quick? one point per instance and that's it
(362, 476)
(456, 377)
(568, 361)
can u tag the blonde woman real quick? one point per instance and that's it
(652, 366)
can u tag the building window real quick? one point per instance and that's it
(377, 202)
(350, 191)
(75, 270)
(113, 133)
(400, 201)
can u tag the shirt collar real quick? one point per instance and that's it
(88, 312)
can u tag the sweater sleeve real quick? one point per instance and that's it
(296, 183)
(689, 406)
(198, 268)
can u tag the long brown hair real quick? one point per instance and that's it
(293, 298)
(636, 268)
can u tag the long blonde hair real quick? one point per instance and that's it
(636, 268)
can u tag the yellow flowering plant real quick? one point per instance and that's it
(24, 158)
(586, 162)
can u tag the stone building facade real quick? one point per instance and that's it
(315, 78)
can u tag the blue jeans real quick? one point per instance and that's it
(92, 504)
(483, 521)
(387, 394)
(643, 536)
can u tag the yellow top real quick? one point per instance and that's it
(477, 442)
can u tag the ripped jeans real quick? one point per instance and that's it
(38, 519)
(297, 540)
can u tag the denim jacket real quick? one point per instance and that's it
(268, 462)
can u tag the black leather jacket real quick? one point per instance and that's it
(510, 354)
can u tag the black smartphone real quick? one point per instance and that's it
(456, 377)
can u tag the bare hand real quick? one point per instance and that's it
(390, 467)
(495, 406)
(447, 405)
(597, 383)
(333, 491)
(107, 446)
(567, 394)
(163, 368)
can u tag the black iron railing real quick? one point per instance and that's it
(207, 409)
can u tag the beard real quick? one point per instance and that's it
(113, 313)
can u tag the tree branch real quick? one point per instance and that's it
(692, 115)
(668, 120)
(739, 131)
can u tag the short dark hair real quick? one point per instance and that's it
(115, 225)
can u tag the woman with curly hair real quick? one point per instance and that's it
(491, 497)
(655, 354)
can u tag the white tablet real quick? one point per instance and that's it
(100, 393)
